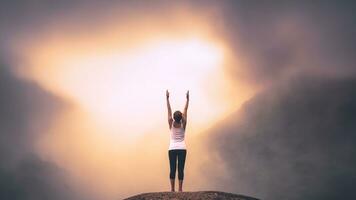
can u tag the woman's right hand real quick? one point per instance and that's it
(167, 94)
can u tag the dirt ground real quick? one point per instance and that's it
(203, 195)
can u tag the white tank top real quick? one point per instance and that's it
(177, 138)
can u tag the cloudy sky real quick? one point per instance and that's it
(82, 97)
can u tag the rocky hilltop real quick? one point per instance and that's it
(202, 195)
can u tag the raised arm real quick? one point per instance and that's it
(170, 119)
(185, 112)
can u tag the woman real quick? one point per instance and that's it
(177, 148)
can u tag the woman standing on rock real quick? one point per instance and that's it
(177, 148)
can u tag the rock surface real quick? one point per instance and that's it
(203, 195)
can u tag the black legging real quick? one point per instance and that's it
(173, 154)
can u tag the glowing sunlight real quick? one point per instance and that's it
(121, 88)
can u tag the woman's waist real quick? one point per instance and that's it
(177, 144)
(177, 140)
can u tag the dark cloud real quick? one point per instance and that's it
(271, 40)
(27, 19)
(296, 138)
(295, 141)
(25, 112)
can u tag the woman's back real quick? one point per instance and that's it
(177, 137)
(177, 133)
